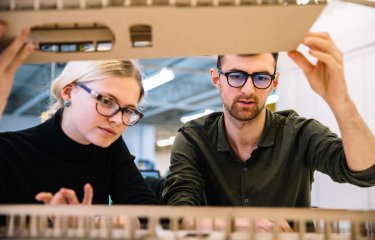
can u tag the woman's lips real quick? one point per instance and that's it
(108, 131)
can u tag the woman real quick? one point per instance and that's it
(77, 156)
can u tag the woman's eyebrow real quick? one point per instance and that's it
(114, 98)
(109, 95)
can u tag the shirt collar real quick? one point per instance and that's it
(266, 140)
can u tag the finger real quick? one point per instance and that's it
(69, 195)
(301, 61)
(45, 197)
(324, 35)
(325, 45)
(21, 57)
(11, 52)
(58, 199)
(325, 58)
(284, 226)
(88, 194)
(2, 28)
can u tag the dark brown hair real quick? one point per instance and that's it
(221, 57)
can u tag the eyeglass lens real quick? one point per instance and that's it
(238, 79)
(109, 108)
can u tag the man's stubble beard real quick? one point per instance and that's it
(247, 118)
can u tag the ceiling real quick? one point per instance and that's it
(352, 25)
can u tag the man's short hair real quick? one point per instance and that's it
(221, 57)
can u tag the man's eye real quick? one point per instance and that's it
(262, 77)
(237, 76)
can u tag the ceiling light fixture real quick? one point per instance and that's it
(195, 115)
(165, 142)
(164, 76)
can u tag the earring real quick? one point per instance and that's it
(67, 103)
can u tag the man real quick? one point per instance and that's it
(249, 156)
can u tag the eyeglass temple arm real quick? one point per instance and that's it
(92, 92)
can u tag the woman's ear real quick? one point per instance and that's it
(215, 78)
(66, 92)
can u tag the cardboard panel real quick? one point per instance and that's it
(158, 31)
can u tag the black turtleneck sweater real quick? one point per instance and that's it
(44, 159)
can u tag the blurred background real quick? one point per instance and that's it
(185, 92)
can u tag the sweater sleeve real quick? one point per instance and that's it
(127, 184)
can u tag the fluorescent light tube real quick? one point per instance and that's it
(189, 117)
(164, 76)
(165, 142)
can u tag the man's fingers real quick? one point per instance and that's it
(324, 58)
(323, 42)
(88, 194)
(45, 197)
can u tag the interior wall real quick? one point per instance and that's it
(295, 93)
(140, 140)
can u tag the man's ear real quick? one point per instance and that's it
(66, 91)
(275, 82)
(215, 78)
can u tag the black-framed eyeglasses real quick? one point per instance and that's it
(108, 108)
(237, 79)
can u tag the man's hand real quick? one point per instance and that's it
(326, 77)
(66, 196)
(10, 60)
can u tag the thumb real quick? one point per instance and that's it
(88, 194)
(301, 61)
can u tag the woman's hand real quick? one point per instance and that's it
(66, 196)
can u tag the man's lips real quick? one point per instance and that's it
(246, 101)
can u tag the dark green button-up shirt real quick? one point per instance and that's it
(205, 169)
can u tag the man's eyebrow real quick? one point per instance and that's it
(240, 70)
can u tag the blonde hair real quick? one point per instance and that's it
(83, 71)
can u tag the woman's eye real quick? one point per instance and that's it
(106, 101)
(129, 110)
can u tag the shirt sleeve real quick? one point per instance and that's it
(184, 183)
(127, 183)
(325, 153)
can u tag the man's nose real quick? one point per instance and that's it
(248, 87)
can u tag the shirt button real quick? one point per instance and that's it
(246, 200)
(245, 169)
